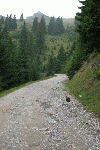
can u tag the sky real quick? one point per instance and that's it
(56, 8)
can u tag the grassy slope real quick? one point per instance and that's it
(85, 85)
(57, 41)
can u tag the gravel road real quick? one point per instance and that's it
(38, 117)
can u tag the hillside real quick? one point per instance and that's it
(85, 84)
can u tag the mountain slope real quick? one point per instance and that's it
(85, 84)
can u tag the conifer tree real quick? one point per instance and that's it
(2, 20)
(61, 59)
(7, 68)
(23, 54)
(51, 26)
(43, 25)
(21, 17)
(10, 23)
(51, 65)
(56, 27)
(89, 27)
(40, 36)
(14, 23)
(7, 23)
(35, 26)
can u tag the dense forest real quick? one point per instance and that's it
(22, 60)
(87, 25)
(24, 52)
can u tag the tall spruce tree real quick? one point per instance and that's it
(56, 27)
(7, 68)
(23, 74)
(21, 17)
(89, 27)
(14, 22)
(61, 58)
(51, 26)
(35, 26)
(10, 23)
(40, 36)
(43, 25)
(2, 20)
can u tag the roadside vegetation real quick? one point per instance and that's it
(85, 84)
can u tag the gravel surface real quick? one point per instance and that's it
(38, 117)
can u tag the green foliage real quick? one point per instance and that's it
(70, 33)
(7, 63)
(2, 20)
(86, 84)
(42, 25)
(25, 54)
(55, 27)
(98, 75)
(89, 26)
(35, 26)
(76, 58)
(40, 36)
(51, 65)
(19, 63)
(10, 23)
(21, 17)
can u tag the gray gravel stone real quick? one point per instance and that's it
(38, 117)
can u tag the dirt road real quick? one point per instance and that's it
(38, 117)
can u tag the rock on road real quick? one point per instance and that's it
(38, 117)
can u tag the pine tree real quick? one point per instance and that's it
(61, 26)
(7, 23)
(51, 26)
(7, 67)
(35, 26)
(21, 17)
(43, 25)
(14, 23)
(2, 20)
(61, 58)
(51, 65)
(40, 36)
(89, 27)
(56, 27)
(10, 23)
(23, 74)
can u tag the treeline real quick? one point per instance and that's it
(20, 61)
(88, 28)
(23, 51)
(56, 27)
(10, 23)
(57, 64)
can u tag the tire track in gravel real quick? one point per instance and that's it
(38, 117)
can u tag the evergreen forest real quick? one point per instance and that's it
(29, 51)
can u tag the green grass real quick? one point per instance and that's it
(86, 84)
(54, 42)
(43, 77)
